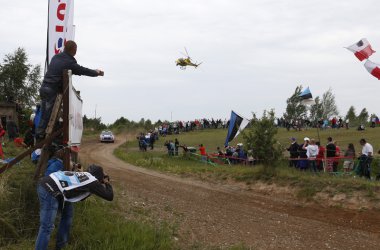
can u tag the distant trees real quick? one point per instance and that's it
(94, 123)
(19, 80)
(324, 107)
(328, 105)
(294, 108)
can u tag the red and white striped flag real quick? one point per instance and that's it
(373, 68)
(362, 49)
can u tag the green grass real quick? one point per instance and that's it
(307, 183)
(97, 224)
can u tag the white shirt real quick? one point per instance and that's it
(367, 148)
(312, 151)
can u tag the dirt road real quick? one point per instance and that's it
(225, 215)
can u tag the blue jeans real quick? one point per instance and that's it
(48, 97)
(49, 207)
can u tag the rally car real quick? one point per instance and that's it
(107, 136)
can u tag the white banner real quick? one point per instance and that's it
(60, 26)
(75, 115)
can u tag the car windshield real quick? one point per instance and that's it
(107, 133)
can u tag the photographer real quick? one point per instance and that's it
(64, 186)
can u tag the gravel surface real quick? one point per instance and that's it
(223, 215)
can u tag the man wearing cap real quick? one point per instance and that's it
(293, 152)
(66, 186)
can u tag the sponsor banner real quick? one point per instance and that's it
(75, 115)
(60, 26)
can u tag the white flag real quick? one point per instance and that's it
(60, 27)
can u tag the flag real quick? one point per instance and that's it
(60, 26)
(362, 49)
(236, 125)
(373, 68)
(307, 97)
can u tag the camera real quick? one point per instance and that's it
(106, 177)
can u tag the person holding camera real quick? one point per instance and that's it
(62, 187)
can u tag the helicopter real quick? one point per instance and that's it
(183, 62)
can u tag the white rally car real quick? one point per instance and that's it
(107, 136)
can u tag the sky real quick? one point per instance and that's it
(254, 53)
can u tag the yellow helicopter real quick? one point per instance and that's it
(183, 62)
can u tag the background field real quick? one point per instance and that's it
(308, 182)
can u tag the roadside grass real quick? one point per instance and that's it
(97, 224)
(307, 183)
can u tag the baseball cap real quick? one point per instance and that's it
(306, 139)
(293, 138)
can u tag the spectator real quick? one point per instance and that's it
(365, 159)
(29, 138)
(349, 155)
(320, 156)
(330, 154)
(52, 82)
(12, 129)
(293, 152)
(202, 151)
(51, 193)
(152, 140)
(176, 145)
(347, 122)
(303, 162)
(311, 153)
(337, 156)
(2, 133)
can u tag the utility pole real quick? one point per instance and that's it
(95, 110)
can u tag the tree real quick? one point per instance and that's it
(94, 123)
(260, 137)
(328, 104)
(351, 115)
(363, 116)
(19, 80)
(316, 110)
(295, 109)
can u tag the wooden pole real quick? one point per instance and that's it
(66, 104)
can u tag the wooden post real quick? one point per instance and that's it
(66, 104)
(44, 157)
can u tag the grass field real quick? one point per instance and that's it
(308, 183)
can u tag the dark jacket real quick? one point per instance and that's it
(293, 150)
(104, 191)
(330, 150)
(60, 62)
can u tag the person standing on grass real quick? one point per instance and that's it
(320, 156)
(348, 164)
(311, 153)
(330, 154)
(202, 151)
(293, 151)
(12, 129)
(365, 159)
(2, 133)
(337, 156)
(176, 146)
(67, 186)
(303, 162)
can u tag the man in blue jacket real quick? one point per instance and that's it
(53, 81)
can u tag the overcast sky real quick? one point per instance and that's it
(254, 53)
